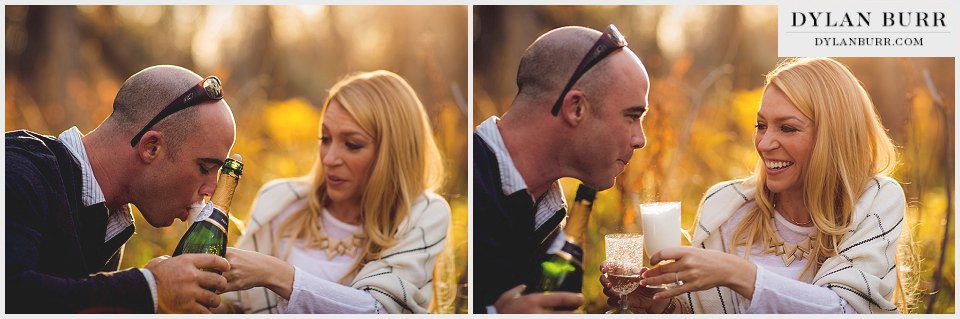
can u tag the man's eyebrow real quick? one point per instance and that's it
(635, 109)
(211, 160)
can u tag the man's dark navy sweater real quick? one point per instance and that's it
(506, 246)
(56, 257)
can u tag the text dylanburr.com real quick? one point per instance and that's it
(882, 29)
(874, 41)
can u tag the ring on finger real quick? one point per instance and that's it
(677, 280)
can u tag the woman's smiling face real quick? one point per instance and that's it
(784, 141)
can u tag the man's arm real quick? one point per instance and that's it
(30, 290)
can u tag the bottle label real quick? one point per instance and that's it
(204, 212)
(560, 245)
(557, 244)
(575, 252)
(218, 218)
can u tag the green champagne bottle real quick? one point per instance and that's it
(208, 233)
(562, 265)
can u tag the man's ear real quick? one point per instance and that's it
(574, 107)
(151, 146)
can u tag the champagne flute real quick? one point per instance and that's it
(661, 229)
(624, 253)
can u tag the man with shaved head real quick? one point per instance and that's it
(68, 209)
(582, 96)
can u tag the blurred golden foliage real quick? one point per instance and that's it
(291, 121)
(706, 65)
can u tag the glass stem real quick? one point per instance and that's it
(624, 305)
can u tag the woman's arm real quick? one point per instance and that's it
(311, 294)
(700, 269)
(861, 274)
(763, 291)
(300, 291)
(778, 294)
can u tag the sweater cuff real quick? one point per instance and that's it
(152, 282)
(491, 310)
(759, 292)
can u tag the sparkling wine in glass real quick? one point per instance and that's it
(624, 253)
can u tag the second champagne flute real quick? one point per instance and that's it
(625, 259)
(661, 229)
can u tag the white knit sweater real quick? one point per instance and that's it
(401, 280)
(864, 271)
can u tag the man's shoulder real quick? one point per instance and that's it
(488, 199)
(29, 152)
(480, 147)
(26, 134)
(31, 142)
(485, 168)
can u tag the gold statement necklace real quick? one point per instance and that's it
(791, 252)
(349, 246)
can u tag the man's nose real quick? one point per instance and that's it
(209, 185)
(639, 140)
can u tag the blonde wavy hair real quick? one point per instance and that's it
(850, 147)
(407, 163)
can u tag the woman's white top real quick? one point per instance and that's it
(400, 281)
(780, 288)
(314, 273)
(862, 274)
(321, 267)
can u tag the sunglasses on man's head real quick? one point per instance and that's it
(610, 41)
(207, 90)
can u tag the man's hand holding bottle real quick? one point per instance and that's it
(513, 301)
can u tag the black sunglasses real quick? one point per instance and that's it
(207, 90)
(610, 41)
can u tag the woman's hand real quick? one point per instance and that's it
(700, 269)
(641, 298)
(250, 269)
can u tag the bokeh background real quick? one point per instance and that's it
(64, 65)
(706, 65)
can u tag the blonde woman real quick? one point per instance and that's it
(360, 233)
(814, 230)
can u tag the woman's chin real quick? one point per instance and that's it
(776, 186)
(336, 196)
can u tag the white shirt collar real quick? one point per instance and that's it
(91, 193)
(510, 177)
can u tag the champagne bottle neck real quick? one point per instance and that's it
(579, 215)
(576, 227)
(223, 194)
